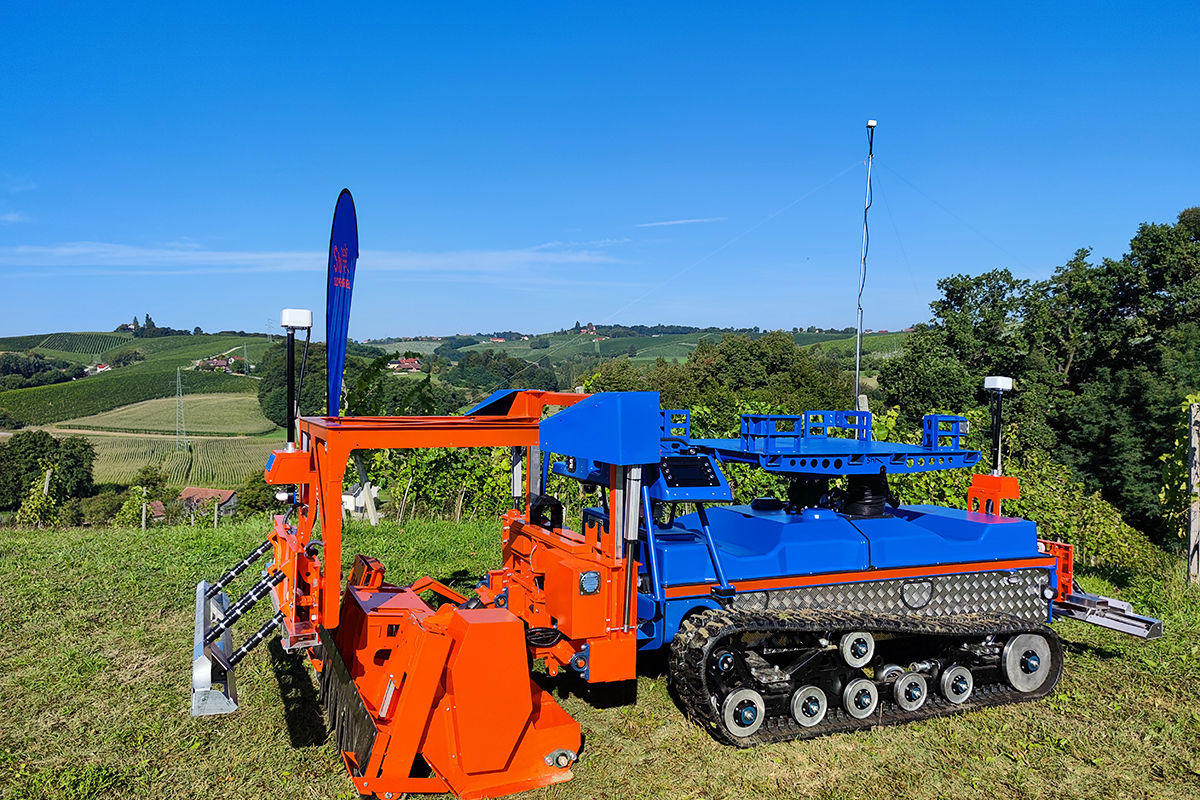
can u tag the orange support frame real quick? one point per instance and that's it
(312, 592)
(1064, 567)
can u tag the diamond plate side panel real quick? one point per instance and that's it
(1015, 592)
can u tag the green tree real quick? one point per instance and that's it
(129, 515)
(1102, 354)
(40, 504)
(272, 384)
(926, 377)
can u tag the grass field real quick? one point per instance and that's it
(563, 346)
(872, 343)
(212, 414)
(94, 682)
(221, 463)
(82, 346)
(423, 347)
(144, 380)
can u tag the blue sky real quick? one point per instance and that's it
(523, 166)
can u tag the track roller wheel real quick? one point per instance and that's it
(857, 648)
(743, 712)
(957, 683)
(809, 705)
(860, 698)
(910, 691)
(1027, 661)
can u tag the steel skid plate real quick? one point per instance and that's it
(352, 725)
(1020, 593)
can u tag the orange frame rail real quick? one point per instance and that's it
(317, 470)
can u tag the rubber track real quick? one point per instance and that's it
(700, 633)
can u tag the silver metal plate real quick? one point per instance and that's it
(1015, 592)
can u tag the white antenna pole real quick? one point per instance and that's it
(862, 265)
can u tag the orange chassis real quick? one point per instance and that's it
(432, 700)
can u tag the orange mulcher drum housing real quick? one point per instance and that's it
(426, 690)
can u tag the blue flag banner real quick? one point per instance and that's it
(343, 255)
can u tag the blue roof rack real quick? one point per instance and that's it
(826, 443)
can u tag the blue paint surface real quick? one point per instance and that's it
(343, 256)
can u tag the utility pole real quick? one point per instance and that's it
(180, 427)
(1193, 551)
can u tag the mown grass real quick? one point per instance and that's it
(211, 414)
(94, 672)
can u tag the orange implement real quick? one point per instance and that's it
(425, 700)
(436, 701)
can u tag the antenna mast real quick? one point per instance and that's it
(862, 269)
(180, 428)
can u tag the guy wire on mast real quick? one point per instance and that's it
(862, 268)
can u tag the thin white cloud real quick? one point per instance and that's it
(678, 222)
(591, 243)
(187, 258)
(12, 217)
(16, 185)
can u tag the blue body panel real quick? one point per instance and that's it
(618, 428)
(917, 535)
(757, 544)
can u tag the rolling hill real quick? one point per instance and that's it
(143, 380)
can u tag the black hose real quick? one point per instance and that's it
(300, 382)
(543, 637)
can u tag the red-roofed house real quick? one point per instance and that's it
(194, 496)
(405, 365)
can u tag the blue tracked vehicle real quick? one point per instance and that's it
(826, 610)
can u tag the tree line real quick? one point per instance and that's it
(1103, 352)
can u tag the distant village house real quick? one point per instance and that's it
(194, 497)
(405, 365)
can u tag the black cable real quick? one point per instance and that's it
(543, 637)
(862, 282)
(303, 362)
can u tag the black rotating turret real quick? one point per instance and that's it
(866, 495)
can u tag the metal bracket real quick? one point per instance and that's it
(582, 660)
(1108, 612)
(213, 689)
